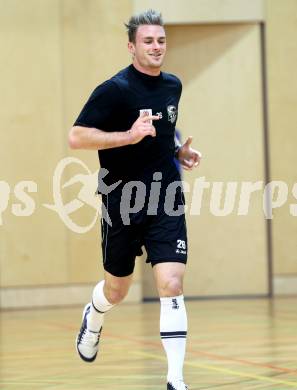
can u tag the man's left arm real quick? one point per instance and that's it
(189, 158)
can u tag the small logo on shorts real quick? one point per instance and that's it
(174, 304)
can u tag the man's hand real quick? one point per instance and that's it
(142, 127)
(189, 158)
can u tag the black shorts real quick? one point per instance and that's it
(163, 236)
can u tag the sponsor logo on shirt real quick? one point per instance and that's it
(149, 112)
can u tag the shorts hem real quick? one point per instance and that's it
(157, 261)
(119, 274)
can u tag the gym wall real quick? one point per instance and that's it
(55, 52)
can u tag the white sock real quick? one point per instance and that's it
(99, 306)
(173, 331)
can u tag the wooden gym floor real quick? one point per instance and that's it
(232, 344)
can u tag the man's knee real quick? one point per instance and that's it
(115, 293)
(171, 287)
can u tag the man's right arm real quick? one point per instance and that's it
(94, 139)
(90, 138)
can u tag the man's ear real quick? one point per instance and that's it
(131, 48)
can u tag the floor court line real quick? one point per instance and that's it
(195, 352)
(245, 362)
(213, 356)
(222, 370)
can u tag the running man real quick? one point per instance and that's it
(130, 119)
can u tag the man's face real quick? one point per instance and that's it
(149, 47)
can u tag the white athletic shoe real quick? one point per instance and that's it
(87, 341)
(177, 386)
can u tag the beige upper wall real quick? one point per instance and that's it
(282, 97)
(205, 11)
(32, 248)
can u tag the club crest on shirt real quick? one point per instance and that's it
(172, 113)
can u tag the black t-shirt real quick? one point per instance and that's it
(115, 105)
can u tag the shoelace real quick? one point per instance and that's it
(89, 337)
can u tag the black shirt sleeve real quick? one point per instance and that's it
(101, 106)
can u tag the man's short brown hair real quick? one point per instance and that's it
(147, 17)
